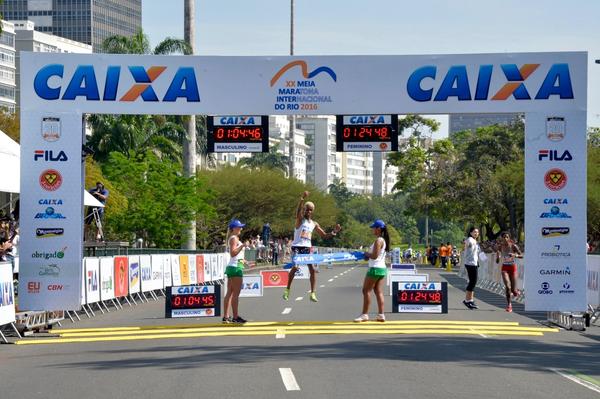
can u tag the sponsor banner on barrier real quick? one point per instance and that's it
(275, 278)
(167, 274)
(555, 212)
(184, 270)
(82, 299)
(134, 274)
(192, 266)
(175, 270)
(92, 280)
(223, 261)
(107, 278)
(121, 276)
(200, 269)
(7, 295)
(156, 274)
(145, 272)
(593, 280)
(207, 262)
(214, 266)
(252, 286)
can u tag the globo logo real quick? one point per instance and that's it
(50, 83)
(424, 84)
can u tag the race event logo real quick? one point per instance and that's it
(555, 231)
(555, 213)
(302, 94)
(457, 82)
(84, 83)
(49, 232)
(50, 213)
(565, 271)
(556, 253)
(554, 155)
(545, 289)
(52, 270)
(50, 180)
(555, 179)
(555, 128)
(51, 129)
(49, 156)
(566, 289)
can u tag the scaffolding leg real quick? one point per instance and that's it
(3, 338)
(16, 330)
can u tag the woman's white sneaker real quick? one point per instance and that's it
(380, 317)
(361, 318)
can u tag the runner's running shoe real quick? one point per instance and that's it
(313, 297)
(238, 320)
(509, 308)
(363, 317)
(226, 320)
(286, 294)
(380, 318)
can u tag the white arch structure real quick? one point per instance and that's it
(550, 88)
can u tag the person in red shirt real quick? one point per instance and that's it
(508, 251)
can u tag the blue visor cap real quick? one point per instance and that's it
(235, 223)
(378, 223)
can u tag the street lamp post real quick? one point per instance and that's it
(292, 128)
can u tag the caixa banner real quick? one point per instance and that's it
(102, 83)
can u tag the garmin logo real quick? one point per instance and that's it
(566, 271)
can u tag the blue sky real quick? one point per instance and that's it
(261, 27)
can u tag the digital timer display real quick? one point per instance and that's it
(364, 133)
(236, 133)
(193, 301)
(419, 297)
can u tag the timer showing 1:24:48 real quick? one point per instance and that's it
(419, 297)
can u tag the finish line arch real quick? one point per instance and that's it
(550, 88)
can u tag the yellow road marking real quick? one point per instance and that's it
(291, 323)
(236, 332)
(370, 327)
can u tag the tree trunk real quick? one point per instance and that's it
(189, 146)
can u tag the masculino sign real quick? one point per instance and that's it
(102, 83)
(57, 89)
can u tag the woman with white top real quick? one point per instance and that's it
(471, 250)
(376, 273)
(302, 243)
(234, 272)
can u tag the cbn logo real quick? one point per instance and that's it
(457, 83)
(84, 83)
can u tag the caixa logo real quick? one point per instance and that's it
(458, 83)
(50, 82)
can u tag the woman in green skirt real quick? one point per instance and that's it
(234, 272)
(377, 272)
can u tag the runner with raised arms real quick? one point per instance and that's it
(302, 243)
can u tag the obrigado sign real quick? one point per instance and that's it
(369, 91)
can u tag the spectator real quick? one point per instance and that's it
(101, 194)
(6, 244)
(275, 248)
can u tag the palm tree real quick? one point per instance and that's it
(139, 44)
(269, 160)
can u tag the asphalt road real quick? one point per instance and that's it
(428, 356)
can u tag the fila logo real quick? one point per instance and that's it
(84, 83)
(553, 155)
(458, 83)
(49, 156)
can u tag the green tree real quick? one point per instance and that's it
(272, 160)
(340, 192)
(160, 202)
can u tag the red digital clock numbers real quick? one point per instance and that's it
(192, 301)
(367, 132)
(419, 297)
(238, 133)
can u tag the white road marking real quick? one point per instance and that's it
(286, 311)
(288, 379)
(335, 276)
(330, 280)
(577, 380)
(321, 286)
(280, 333)
(480, 334)
(299, 298)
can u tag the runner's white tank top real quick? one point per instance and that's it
(302, 235)
(234, 259)
(380, 261)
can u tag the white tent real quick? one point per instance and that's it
(10, 164)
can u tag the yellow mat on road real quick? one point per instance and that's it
(412, 327)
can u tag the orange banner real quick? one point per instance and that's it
(277, 278)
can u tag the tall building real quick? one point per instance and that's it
(7, 67)
(460, 122)
(85, 21)
(29, 39)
